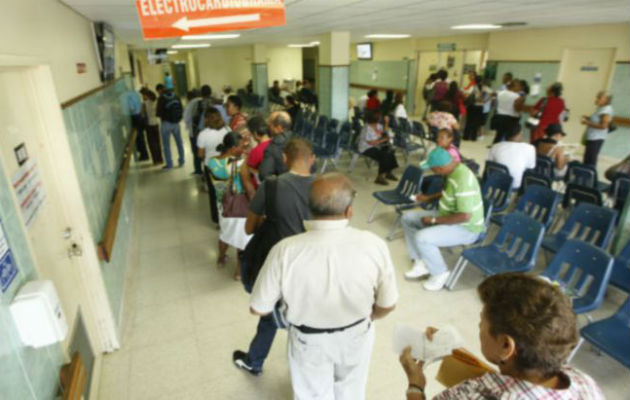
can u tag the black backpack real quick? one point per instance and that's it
(173, 109)
(200, 111)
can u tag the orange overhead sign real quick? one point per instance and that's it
(172, 18)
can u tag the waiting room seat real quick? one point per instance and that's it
(586, 222)
(409, 184)
(583, 174)
(533, 177)
(514, 249)
(330, 150)
(620, 277)
(538, 202)
(497, 189)
(575, 194)
(619, 190)
(403, 143)
(546, 167)
(610, 335)
(582, 271)
(494, 167)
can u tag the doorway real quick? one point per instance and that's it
(181, 78)
(583, 73)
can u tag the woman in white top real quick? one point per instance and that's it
(149, 109)
(597, 127)
(210, 137)
(399, 106)
(509, 106)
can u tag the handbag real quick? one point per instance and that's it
(235, 205)
(533, 122)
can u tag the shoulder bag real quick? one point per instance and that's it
(234, 204)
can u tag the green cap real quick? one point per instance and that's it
(438, 157)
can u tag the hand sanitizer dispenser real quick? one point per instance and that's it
(38, 316)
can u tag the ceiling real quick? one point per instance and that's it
(306, 19)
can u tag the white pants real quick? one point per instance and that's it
(331, 365)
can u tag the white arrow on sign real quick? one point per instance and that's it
(185, 24)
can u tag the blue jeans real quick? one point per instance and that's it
(261, 344)
(424, 242)
(168, 129)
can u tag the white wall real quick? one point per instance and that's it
(51, 31)
(284, 63)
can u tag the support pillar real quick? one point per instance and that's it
(333, 75)
(260, 80)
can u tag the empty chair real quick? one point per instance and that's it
(404, 124)
(514, 249)
(538, 202)
(620, 277)
(497, 189)
(575, 194)
(582, 174)
(610, 335)
(330, 149)
(619, 190)
(492, 167)
(533, 177)
(582, 271)
(319, 136)
(404, 144)
(333, 124)
(587, 222)
(545, 166)
(408, 185)
(322, 121)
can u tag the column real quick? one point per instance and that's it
(259, 72)
(333, 74)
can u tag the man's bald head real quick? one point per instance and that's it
(331, 195)
(279, 122)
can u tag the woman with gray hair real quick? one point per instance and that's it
(597, 126)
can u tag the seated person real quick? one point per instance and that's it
(445, 140)
(550, 146)
(528, 330)
(515, 154)
(373, 103)
(374, 143)
(292, 107)
(457, 221)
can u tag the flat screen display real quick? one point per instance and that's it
(364, 51)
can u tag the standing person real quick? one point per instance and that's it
(597, 126)
(168, 81)
(291, 107)
(258, 127)
(440, 88)
(134, 104)
(488, 96)
(506, 80)
(443, 118)
(399, 106)
(170, 112)
(474, 107)
(211, 136)
(515, 154)
(363, 101)
(224, 172)
(198, 123)
(153, 129)
(455, 97)
(192, 98)
(509, 106)
(373, 103)
(458, 220)
(279, 131)
(427, 93)
(335, 280)
(238, 120)
(374, 143)
(277, 211)
(548, 111)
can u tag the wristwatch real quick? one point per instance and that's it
(433, 220)
(415, 389)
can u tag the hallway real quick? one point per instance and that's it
(183, 317)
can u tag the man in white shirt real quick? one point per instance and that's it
(516, 155)
(335, 280)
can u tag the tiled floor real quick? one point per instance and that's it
(184, 316)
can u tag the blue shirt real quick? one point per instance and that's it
(168, 82)
(134, 103)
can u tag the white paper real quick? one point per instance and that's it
(445, 340)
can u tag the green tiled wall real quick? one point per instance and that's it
(333, 91)
(260, 81)
(98, 130)
(25, 373)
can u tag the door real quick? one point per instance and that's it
(181, 78)
(60, 241)
(583, 73)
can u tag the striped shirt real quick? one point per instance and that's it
(461, 194)
(504, 387)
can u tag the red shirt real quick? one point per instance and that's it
(257, 154)
(373, 103)
(552, 110)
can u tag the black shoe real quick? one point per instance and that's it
(391, 177)
(241, 360)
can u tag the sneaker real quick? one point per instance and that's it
(381, 181)
(436, 282)
(418, 270)
(241, 360)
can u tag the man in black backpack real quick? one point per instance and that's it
(277, 211)
(198, 118)
(170, 111)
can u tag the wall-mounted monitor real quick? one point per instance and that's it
(157, 56)
(104, 41)
(364, 51)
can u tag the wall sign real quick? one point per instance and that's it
(20, 154)
(8, 269)
(446, 46)
(29, 190)
(173, 18)
(589, 68)
(81, 68)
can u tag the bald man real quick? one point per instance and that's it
(334, 280)
(279, 130)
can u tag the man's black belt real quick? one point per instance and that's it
(309, 330)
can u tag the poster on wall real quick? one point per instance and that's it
(28, 190)
(8, 269)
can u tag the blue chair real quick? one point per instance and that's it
(620, 277)
(619, 190)
(494, 167)
(610, 335)
(583, 272)
(497, 189)
(410, 183)
(329, 151)
(514, 249)
(403, 143)
(587, 222)
(582, 174)
(575, 194)
(545, 166)
(538, 202)
(533, 177)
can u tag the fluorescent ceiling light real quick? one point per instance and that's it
(190, 46)
(476, 26)
(212, 37)
(311, 44)
(388, 36)
(172, 52)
